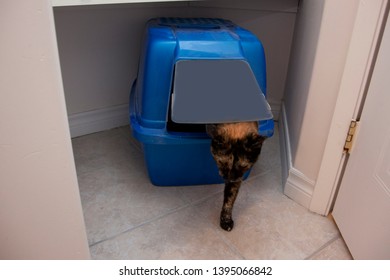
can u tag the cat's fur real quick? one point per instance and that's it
(235, 148)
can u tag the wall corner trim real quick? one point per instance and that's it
(299, 188)
(98, 120)
(296, 185)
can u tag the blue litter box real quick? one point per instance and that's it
(194, 71)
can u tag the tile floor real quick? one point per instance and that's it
(129, 218)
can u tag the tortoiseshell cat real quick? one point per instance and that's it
(235, 148)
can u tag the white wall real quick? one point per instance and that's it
(99, 46)
(40, 209)
(320, 47)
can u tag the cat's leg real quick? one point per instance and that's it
(230, 195)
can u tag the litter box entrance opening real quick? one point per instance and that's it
(183, 127)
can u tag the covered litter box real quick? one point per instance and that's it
(194, 71)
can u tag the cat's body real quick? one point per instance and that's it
(235, 148)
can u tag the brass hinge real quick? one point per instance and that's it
(351, 136)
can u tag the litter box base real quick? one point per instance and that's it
(181, 165)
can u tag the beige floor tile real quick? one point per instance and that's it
(192, 194)
(128, 218)
(102, 149)
(180, 235)
(305, 230)
(126, 131)
(274, 226)
(116, 198)
(255, 234)
(336, 250)
(117, 194)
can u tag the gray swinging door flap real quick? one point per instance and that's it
(217, 91)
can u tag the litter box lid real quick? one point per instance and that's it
(217, 91)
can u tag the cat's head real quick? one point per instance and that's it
(234, 155)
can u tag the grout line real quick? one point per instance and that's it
(229, 244)
(316, 252)
(200, 200)
(168, 213)
(174, 210)
(187, 204)
(256, 176)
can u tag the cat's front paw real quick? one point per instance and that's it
(227, 224)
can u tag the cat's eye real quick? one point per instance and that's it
(253, 142)
(244, 164)
(220, 144)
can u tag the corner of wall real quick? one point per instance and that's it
(297, 186)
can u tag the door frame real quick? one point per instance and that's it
(364, 45)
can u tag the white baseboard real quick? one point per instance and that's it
(296, 185)
(299, 188)
(98, 120)
(285, 151)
